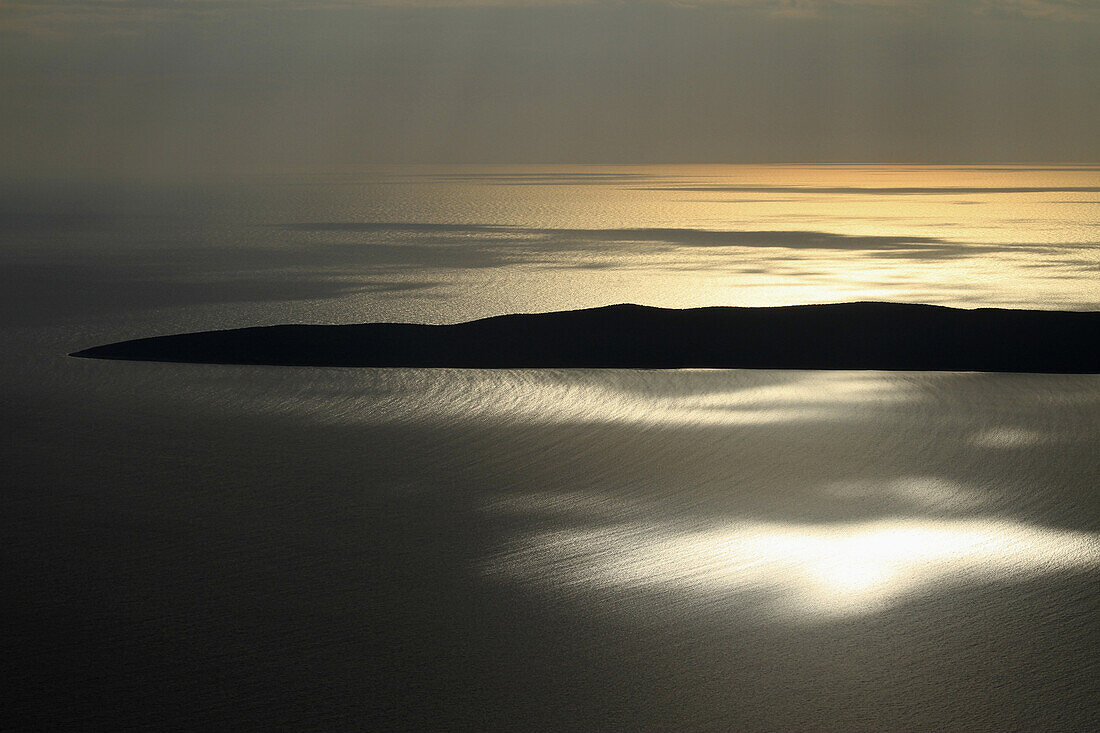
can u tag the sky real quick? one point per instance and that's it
(135, 88)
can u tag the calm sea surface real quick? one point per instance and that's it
(193, 546)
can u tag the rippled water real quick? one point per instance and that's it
(216, 546)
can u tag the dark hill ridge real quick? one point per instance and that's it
(888, 336)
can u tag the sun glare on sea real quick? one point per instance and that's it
(800, 571)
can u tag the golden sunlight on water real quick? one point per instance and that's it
(820, 520)
(628, 397)
(565, 549)
(509, 239)
(803, 571)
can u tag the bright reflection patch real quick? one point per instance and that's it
(799, 570)
(1009, 438)
(630, 397)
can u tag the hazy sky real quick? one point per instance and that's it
(124, 87)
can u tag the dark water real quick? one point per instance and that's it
(238, 547)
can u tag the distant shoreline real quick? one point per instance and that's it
(857, 336)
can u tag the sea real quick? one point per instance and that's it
(219, 547)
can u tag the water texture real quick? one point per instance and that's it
(193, 546)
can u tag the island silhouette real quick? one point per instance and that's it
(880, 336)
